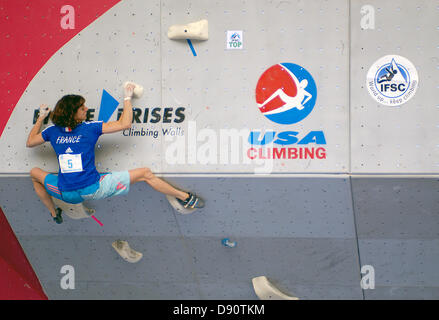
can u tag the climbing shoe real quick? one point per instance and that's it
(192, 202)
(58, 218)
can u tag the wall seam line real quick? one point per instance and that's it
(350, 86)
(356, 231)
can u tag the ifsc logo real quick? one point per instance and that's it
(392, 80)
(286, 93)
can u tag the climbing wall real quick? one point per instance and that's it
(398, 138)
(312, 135)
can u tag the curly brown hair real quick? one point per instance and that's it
(64, 113)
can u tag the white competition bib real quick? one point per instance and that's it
(70, 163)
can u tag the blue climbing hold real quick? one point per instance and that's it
(227, 243)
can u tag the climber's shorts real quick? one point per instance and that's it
(109, 185)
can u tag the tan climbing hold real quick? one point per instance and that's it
(198, 30)
(123, 249)
(265, 290)
(74, 211)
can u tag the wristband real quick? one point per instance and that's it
(127, 98)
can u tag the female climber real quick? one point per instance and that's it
(74, 140)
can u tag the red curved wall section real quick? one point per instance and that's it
(30, 33)
(18, 280)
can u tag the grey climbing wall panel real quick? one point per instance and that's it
(398, 228)
(313, 256)
(394, 222)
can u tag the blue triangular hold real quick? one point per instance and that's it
(108, 106)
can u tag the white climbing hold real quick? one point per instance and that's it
(138, 89)
(123, 249)
(177, 205)
(227, 243)
(198, 30)
(265, 290)
(74, 211)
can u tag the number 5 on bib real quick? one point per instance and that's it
(70, 163)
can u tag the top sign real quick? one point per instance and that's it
(234, 40)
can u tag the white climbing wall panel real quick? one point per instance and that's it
(123, 44)
(402, 138)
(218, 85)
(206, 100)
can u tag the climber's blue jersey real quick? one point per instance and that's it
(75, 152)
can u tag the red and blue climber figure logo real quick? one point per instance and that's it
(286, 93)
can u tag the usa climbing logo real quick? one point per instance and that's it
(392, 80)
(286, 93)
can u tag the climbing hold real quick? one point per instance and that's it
(265, 290)
(138, 90)
(177, 206)
(227, 243)
(74, 211)
(198, 30)
(123, 249)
